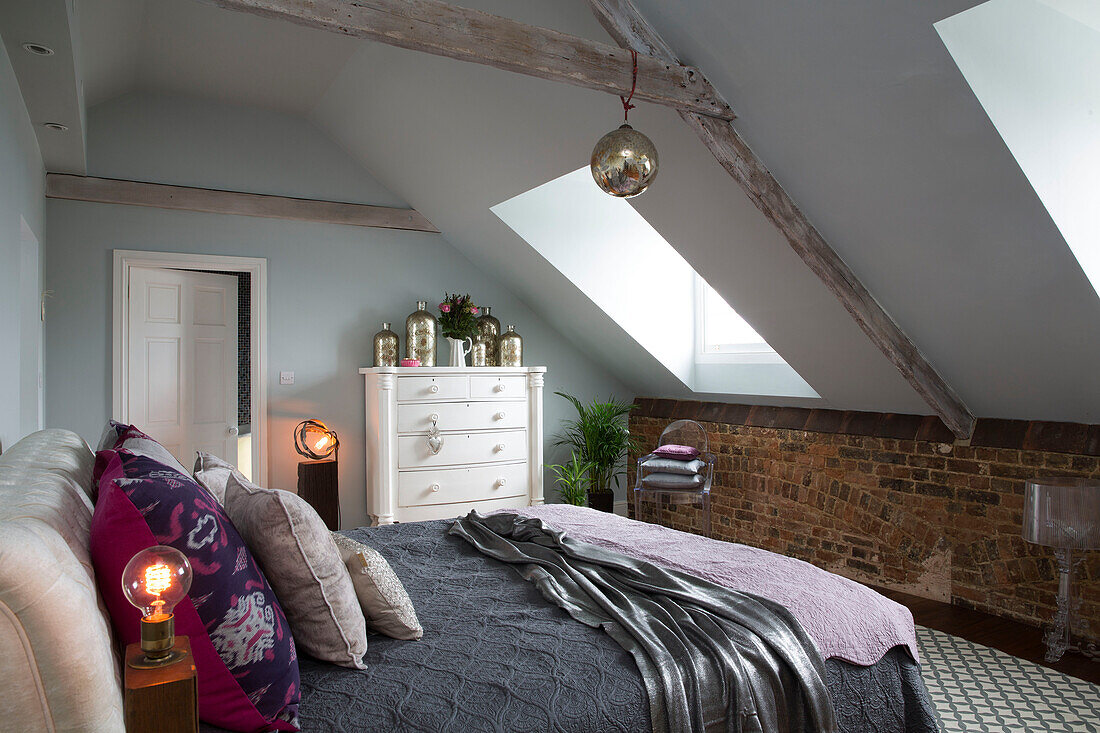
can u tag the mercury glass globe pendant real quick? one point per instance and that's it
(624, 161)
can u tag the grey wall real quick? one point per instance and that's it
(20, 270)
(361, 276)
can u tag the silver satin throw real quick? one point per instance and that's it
(712, 659)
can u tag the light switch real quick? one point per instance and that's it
(286, 377)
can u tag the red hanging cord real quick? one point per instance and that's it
(627, 106)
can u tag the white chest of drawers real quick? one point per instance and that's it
(488, 453)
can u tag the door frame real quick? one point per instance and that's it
(124, 259)
(27, 238)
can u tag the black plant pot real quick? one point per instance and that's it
(602, 500)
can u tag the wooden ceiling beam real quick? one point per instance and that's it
(211, 201)
(470, 35)
(630, 29)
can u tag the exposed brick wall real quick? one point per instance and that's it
(890, 500)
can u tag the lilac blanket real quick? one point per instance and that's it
(845, 619)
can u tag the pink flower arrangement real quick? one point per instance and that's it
(457, 320)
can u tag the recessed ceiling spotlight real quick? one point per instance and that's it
(55, 126)
(38, 49)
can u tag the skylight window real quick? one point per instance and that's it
(623, 265)
(1035, 67)
(721, 334)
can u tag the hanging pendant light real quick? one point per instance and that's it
(624, 161)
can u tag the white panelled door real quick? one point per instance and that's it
(181, 384)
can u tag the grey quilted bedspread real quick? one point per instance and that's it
(496, 656)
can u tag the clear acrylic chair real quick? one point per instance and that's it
(681, 432)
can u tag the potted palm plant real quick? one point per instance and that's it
(572, 479)
(600, 437)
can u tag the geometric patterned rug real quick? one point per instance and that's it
(976, 689)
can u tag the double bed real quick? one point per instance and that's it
(496, 654)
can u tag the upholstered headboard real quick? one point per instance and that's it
(61, 669)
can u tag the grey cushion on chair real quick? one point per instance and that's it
(672, 481)
(657, 464)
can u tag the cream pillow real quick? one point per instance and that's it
(300, 560)
(213, 474)
(384, 600)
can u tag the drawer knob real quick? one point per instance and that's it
(434, 487)
(434, 417)
(500, 483)
(434, 388)
(499, 416)
(500, 387)
(500, 447)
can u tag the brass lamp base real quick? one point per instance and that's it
(146, 662)
(158, 644)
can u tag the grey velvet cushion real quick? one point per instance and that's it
(300, 560)
(383, 598)
(212, 473)
(672, 481)
(657, 464)
(120, 436)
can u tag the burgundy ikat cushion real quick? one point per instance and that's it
(245, 658)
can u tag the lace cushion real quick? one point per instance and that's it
(296, 551)
(672, 481)
(244, 652)
(656, 464)
(383, 598)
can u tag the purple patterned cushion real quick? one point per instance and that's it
(683, 452)
(244, 653)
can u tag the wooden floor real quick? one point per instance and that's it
(1012, 637)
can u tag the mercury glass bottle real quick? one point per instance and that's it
(488, 328)
(420, 329)
(385, 347)
(510, 350)
(483, 352)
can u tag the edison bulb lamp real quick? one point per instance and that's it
(313, 439)
(154, 581)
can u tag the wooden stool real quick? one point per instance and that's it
(318, 485)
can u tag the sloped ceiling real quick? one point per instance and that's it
(856, 107)
(186, 47)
